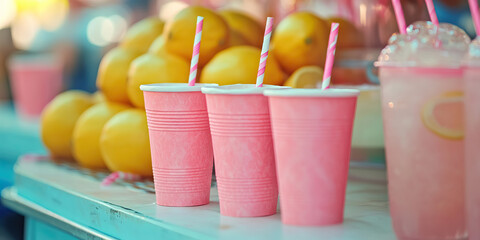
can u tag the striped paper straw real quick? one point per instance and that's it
(332, 45)
(475, 15)
(120, 175)
(431, 12)
(397, 7)
(196, 52)
(264, 55)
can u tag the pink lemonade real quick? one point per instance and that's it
(243, 149)
(35, 81)
(180, 142)
(472, 149)
(423, 122)
(312, 135)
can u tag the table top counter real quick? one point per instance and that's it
(73, 199)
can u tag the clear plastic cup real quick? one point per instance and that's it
(35, 80)
(312, 135)
(423, 125)
(472, 149)
(243, 149)
(180, 142)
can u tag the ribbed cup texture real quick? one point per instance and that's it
(181, 146)
(247, 190)
(240, 125)
(244, 157)
(182, 121)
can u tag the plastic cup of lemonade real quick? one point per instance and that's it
(422, 104)
(243, 149)
(35, 80)
(472, 137)
(180, 142)
(312, 135)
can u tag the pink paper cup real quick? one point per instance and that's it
(312, 134)
(35, 81)
(243, 149)
(180, 143)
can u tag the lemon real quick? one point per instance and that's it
(443, 115)
(113, 74)
(58, 120)
(300, 40)
(348, 35)
(158, 46)
(125, 145)
(150, 68)
(98, 97)
(244, 28)
(305, 77)
(236, 39)
(141, 35)
(240, 65)
(180, 33)
(86, 134)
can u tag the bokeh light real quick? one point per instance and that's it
(170, 9)
(8, 10)
(102, 30)
(24, 29)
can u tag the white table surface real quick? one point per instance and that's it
(78, 201)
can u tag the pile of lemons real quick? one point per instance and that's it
(109, 129)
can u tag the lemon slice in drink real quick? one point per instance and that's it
(443, 115)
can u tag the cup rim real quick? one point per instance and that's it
(316, 92)
(175, 87)
(34, 61)
(241, 89)
(413, 64)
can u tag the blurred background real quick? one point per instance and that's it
(78, 32)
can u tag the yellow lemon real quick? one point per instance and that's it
(348, 35)
(158, 46)
(86, 134)
(305, 77)
(236, 39)
(300, 40)
(141, 35)
(98, 97)
(58, 120)
(240, 65)
(150, 68)
(113, 74)
(180, 33)
(125, 145)
(443, 115)
(244, 27)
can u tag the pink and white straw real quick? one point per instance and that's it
(475, 15)
(196, 52)
(332, 45)
(264, 55)
(120, 175)
(397, 7)
(431, 12)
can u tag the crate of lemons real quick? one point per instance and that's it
(108, 129)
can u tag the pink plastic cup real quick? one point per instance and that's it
(243, 149)
(180, 143)
(35, 81)
(312, 135)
